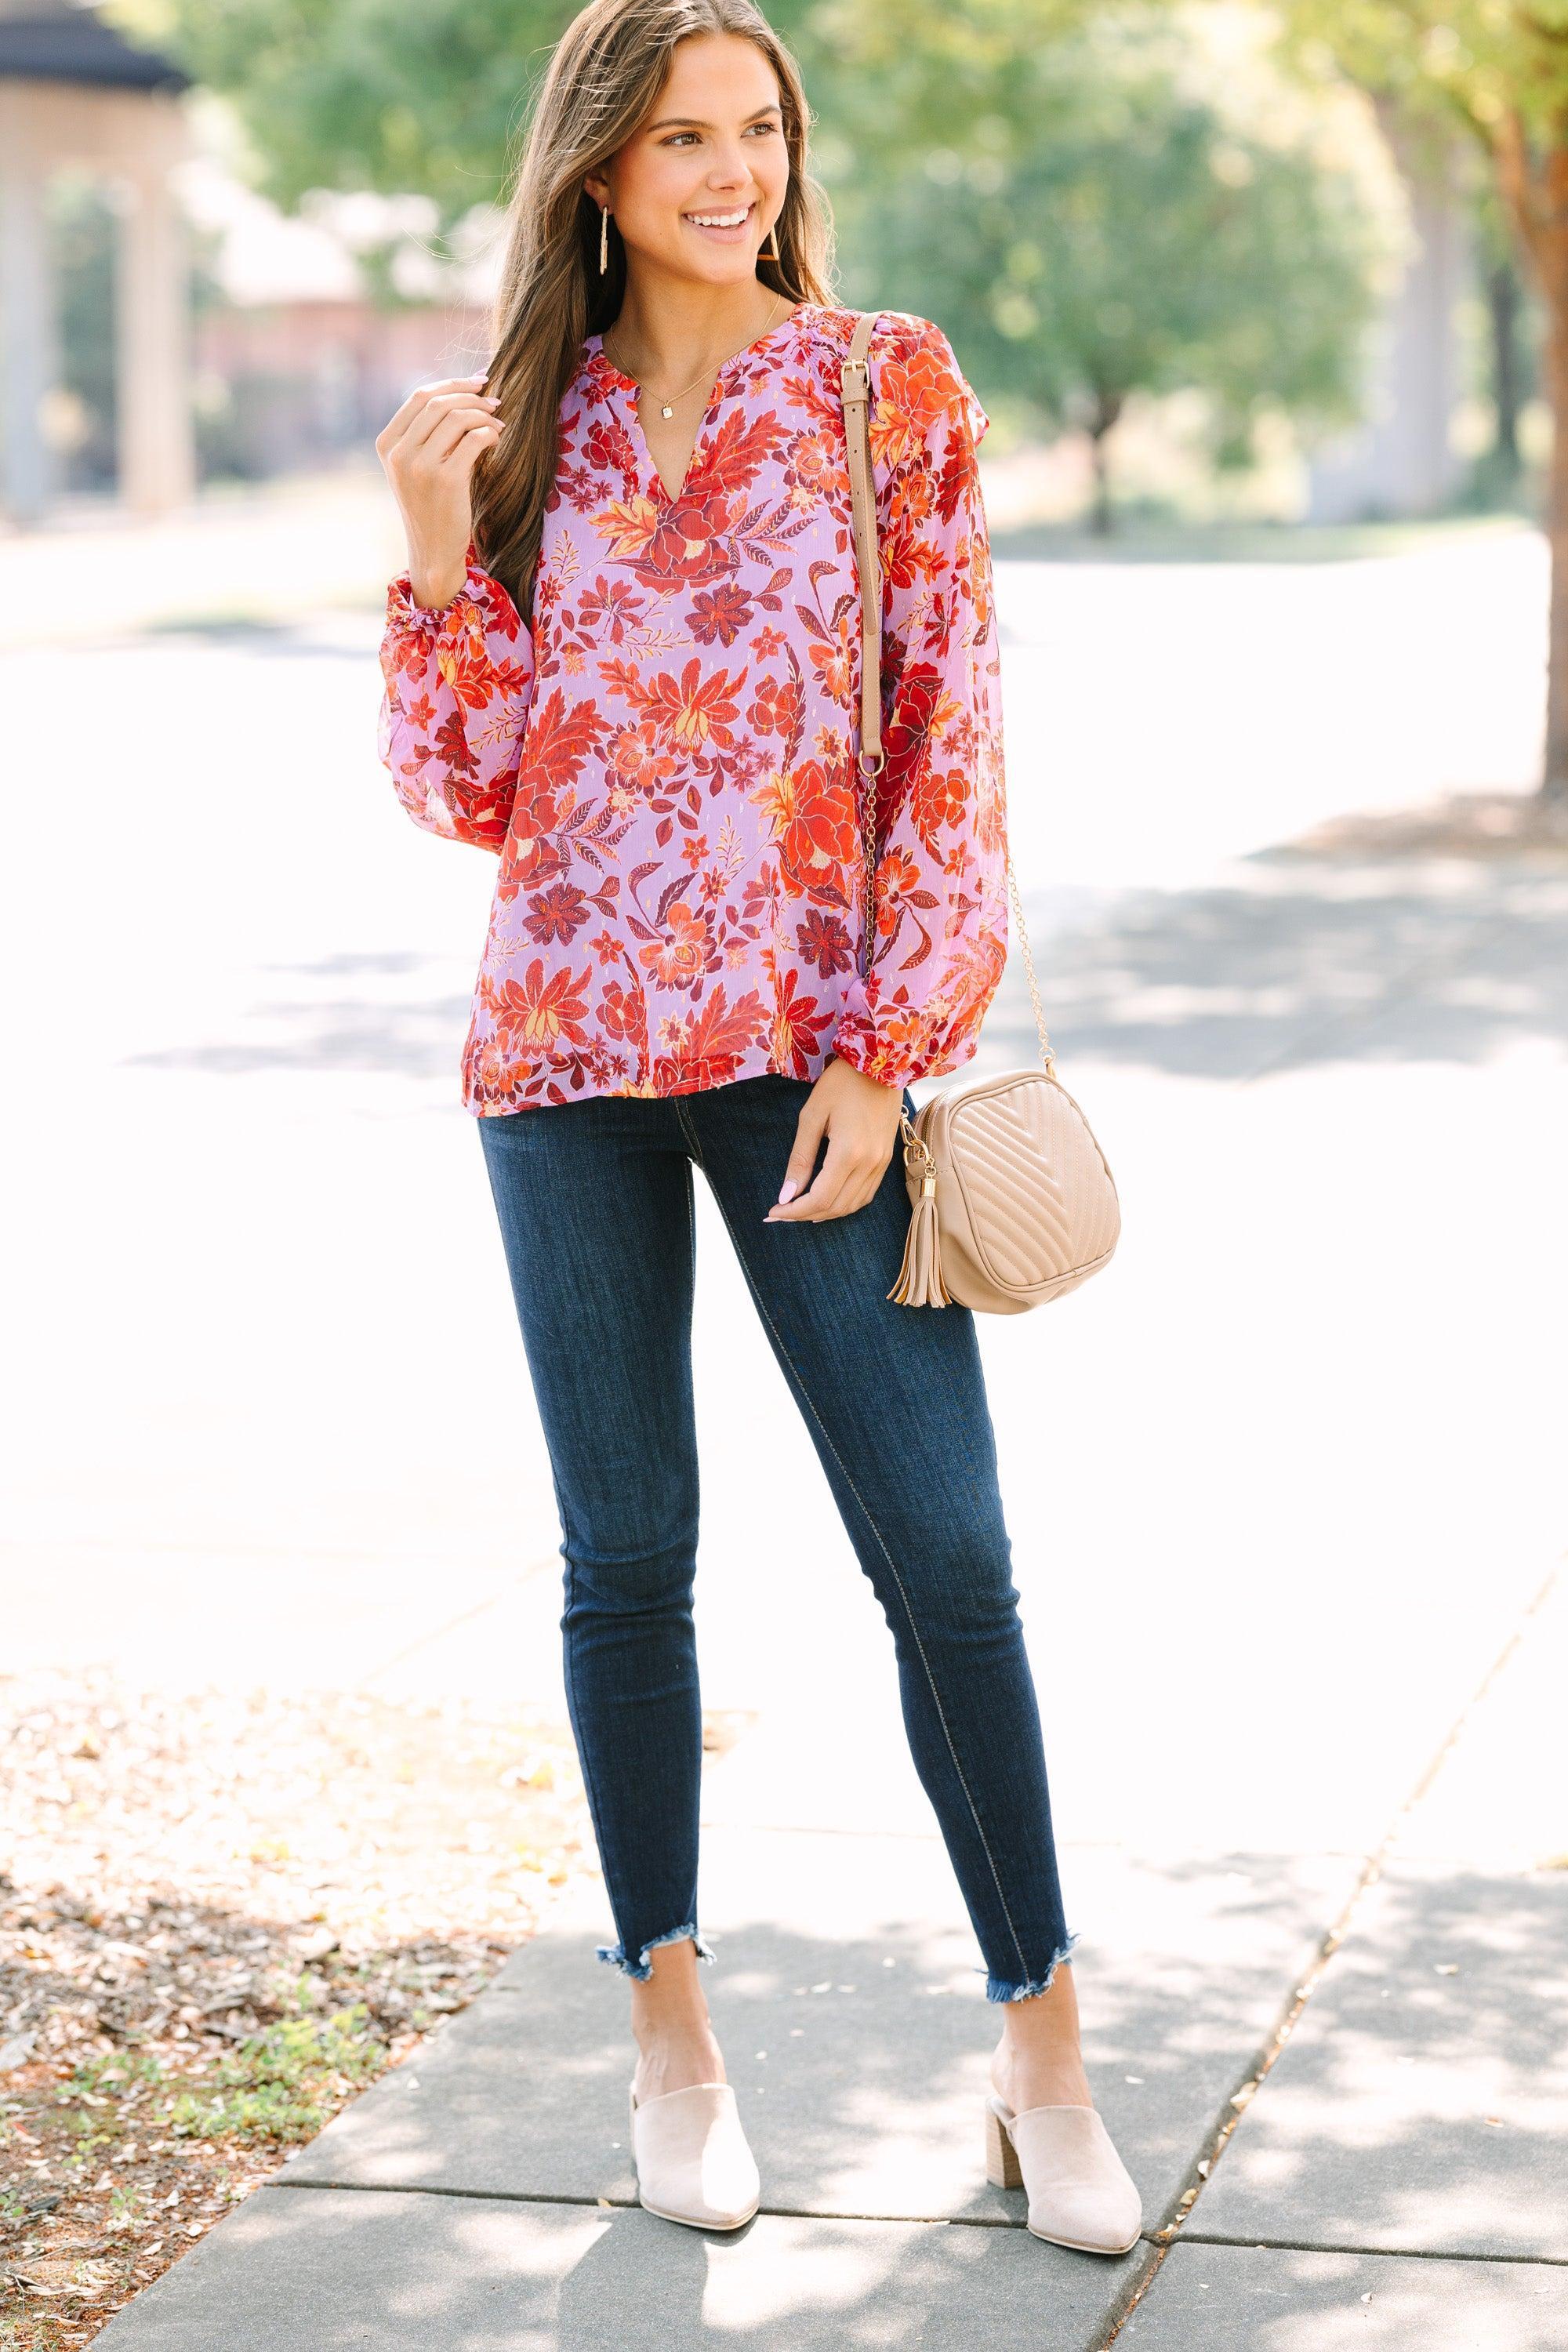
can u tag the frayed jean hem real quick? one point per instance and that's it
(640, 1969)
(1006, 1989)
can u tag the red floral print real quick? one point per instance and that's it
(665, 761)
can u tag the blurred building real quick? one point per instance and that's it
(75, 97)
(311, 329)
(159, 321)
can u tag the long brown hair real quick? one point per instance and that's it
(604, 73)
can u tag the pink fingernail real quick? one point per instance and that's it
(788, 1190)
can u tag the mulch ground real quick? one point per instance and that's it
(221, 1918)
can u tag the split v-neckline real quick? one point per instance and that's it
(628, 387)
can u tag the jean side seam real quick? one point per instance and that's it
(898, 1579)
(999, 1989)
(571, 1682)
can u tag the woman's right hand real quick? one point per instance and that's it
(428, 453)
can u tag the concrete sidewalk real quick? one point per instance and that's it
(1409, 2023)
(1283, 1489)
(1321, 1963)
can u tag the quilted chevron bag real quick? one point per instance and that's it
(1012, 1200)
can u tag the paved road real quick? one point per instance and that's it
(1283, 1485)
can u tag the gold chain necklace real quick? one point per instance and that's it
(666, 406)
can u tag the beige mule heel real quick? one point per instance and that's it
(1080, 2193)
(693, 2161)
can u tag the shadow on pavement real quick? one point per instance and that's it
(1294, 962)
(335, 2269)
(1300, 962)
(858, 2035)
(1421, 2106)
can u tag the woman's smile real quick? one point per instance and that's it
(722, 223)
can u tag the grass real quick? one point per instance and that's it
(222, 1916)
(284, 2083)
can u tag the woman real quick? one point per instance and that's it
(626, 657)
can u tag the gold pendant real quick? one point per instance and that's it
(667, 412)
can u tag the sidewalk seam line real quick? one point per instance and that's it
(1374, 2253)
(1213, 2148)
(583, 2201)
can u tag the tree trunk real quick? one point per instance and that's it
(1505, 309)
(1107, 408)
(1534, 186)
(1102, 516)
(1554, 782)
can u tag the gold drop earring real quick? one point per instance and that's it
(764, 252)
(604, 238)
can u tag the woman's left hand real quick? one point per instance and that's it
(859, 1116)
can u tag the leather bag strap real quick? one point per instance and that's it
(855, 375)
(855, 381)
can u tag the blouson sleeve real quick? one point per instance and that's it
(457, 686)
(941, 892)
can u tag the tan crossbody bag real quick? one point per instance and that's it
(1013, 1203)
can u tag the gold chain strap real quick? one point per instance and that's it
(915, 1152)
(916, 1156)
(870, 765)
(1046, 1056)
(869, 775)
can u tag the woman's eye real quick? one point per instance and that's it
(681, 135)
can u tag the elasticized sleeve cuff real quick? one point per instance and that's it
(899, 1062)
(480, 593)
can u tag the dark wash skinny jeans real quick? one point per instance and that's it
(596, 1205)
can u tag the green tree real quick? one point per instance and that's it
(365, 93)
(1093, 222)
(82, 234)
(373, 94)
(1042, 174)
(1499, 70)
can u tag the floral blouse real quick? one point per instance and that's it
(665, 761)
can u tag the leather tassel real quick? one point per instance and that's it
(919, 1282)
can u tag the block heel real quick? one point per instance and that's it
(1080, 2193)
(1002, 2170)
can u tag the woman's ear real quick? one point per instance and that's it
(597, 188)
